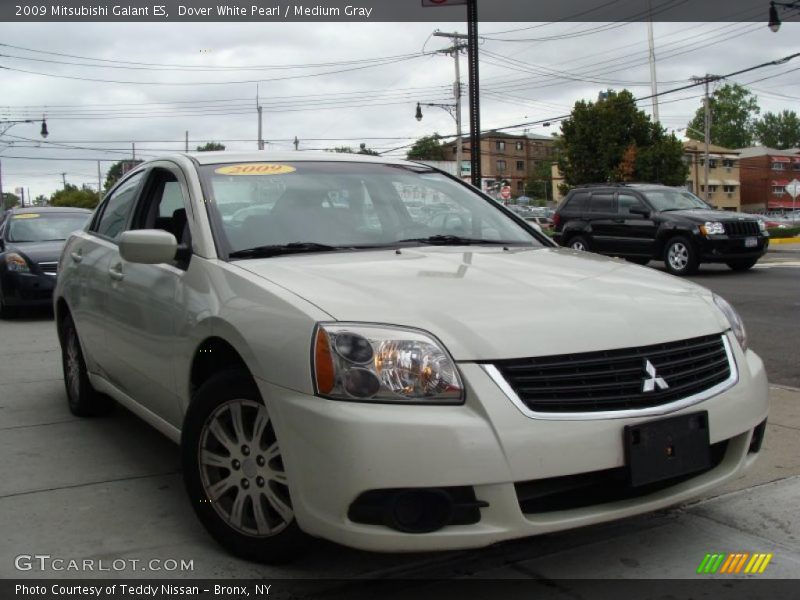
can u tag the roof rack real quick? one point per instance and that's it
(618, 184)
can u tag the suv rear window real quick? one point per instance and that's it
(577, 202)
(602, 203)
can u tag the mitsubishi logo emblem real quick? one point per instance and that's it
(651, 382)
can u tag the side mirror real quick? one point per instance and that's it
(640, 210)
(147, 246)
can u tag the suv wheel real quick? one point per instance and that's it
(234, 472)
(742, 264)
(83, 399)
(680, 257)
(579, 243)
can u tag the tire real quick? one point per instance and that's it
(680, 257)
(261, 526)
(579, 243)
(82, 398)
(742, 264)
(639, 260)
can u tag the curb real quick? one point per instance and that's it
(793, 240)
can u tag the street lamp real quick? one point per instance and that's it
(5, 126)
(453, 111)
(774, 23)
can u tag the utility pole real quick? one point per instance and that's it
(186, 142)
(133, 151)
(99, 182)
(707, 129)
(258, 108)
(64, 179)
(2, 197)
(455, 51)
(653, 80)
(296, 143)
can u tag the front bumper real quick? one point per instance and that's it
(27, 289)
(723, 248)
(335, 451)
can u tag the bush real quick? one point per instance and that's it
(789, 232)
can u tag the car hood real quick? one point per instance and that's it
(488, 303)
(701, 216)
(37, 252)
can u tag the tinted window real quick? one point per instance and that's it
(602, 203)
(41, 227)
(578, 202)
(625, 203)
(117, 208)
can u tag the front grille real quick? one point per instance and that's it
(741, 227)
(618, 379)
(51, 268)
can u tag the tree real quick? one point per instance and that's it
(733, 117)
(211, 147)
(117, 170)
(540, 183)
(362, 149)
(601, 141)
(9, 200)
(40, 200)
(428, 147)
(779, 131)
(73, 196)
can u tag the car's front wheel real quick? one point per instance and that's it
(742, 264)
(82, 398)
(234, 472)
(680, 257)
(579, 243)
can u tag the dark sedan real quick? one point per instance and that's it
(31, 240)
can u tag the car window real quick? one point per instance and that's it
(348, 204)
(116, 209)
(601, 203)
(44, 226)
(673, 199)
(626, 202)
(162, 205)
(577, 202)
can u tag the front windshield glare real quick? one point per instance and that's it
(674, 200)
(349, 204)
(40, 227)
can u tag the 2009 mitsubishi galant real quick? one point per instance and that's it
(336, 365)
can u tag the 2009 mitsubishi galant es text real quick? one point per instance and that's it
(336, 365)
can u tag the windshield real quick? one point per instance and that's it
(41, 227)
(674, 200)
(350, 204)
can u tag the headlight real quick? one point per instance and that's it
(712, 228)
(737, 326)
(762, 226)
(16, 264)
(373, 363)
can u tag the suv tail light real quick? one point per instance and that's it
(556, 220)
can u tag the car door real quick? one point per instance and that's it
(142, 312)
(635, 232)
(84, 268)
(601, 214)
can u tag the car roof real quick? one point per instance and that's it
(209, 158)
(47, 209)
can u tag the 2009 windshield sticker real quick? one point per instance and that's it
(255, 169)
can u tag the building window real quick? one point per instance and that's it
(778, 166)
(796, 166)
(777, 190)
(455, 149)
(520, 186)
(501, 166)
(520, 146)
(712, 189)
(499, 145)
(520, 165)
(712, 163)
(727, 163)
(729, 189)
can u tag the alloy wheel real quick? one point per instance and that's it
(578, 245)
(242, 470)
(678, 256)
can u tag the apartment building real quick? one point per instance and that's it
(512, 158)
(765, 174)
(724, 182)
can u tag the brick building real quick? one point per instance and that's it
(765, 173)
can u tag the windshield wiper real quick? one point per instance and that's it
(278, 249)
(454, 240)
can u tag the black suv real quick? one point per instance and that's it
(644, 222)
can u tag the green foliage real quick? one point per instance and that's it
(73, 196)
(427, 148)
(780, 130)
(601, 141)
(211, 147)
(540, 184)
(116, 171)
(348, 150)
(40, 200)
(9, 200)
(733, 117)
(788, 232)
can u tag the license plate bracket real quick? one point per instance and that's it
(667, 448)
(750, 242)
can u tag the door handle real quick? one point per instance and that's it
(116, 273)
(76, 256)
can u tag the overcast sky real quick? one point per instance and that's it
(125, 90)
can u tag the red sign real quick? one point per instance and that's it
(505, 192)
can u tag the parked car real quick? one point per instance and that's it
(543, 222)
(644, 222)
(347, 373)
(30, 244)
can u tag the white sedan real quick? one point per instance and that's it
(336, 365)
